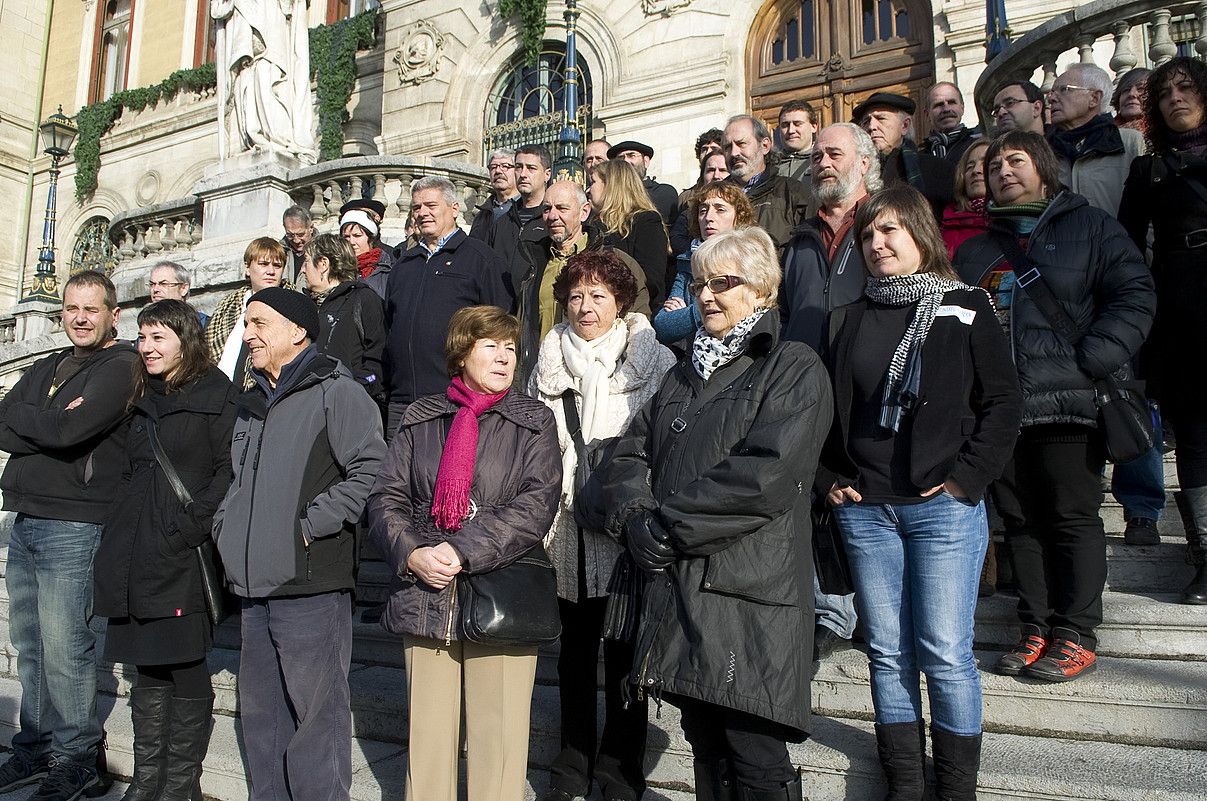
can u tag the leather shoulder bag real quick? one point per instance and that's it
(513, 605)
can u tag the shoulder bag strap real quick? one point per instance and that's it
(168, 470)
(1028, 276)
(1191, 181)
(573, 424)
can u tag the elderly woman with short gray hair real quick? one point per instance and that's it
(710, 487)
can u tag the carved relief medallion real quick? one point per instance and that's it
(419, 56)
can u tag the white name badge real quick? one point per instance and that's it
(965, 316)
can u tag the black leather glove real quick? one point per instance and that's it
(648, 542)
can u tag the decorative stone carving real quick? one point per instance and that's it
(653, 8)
(419, 56)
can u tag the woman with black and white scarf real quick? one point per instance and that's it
(602, 365)
(927, 409)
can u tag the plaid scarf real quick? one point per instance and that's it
(905, 369)
(939, 143)
(222, 322)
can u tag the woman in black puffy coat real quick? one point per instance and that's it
(710, 488)
(1050, 492)
(1167, 189)
(147, 574)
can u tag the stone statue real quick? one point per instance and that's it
(264, 97)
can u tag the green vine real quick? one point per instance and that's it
(532, 24)
(333, 66)
(96, 119)
(332, 61)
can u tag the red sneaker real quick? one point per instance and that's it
(1065, 661)
(1028, 651)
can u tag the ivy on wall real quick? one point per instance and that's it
(332, 63)
(532, 24)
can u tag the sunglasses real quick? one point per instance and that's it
(722, 283)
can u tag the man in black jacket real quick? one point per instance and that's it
(502, 193)
(64, 426)
(823, 270)
(949, 136)
(524, 220)
(446, 271)
(889, 120)
(780, 203)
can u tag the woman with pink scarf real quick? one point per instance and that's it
(470, 485)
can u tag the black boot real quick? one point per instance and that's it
(792, 791)
(714, 781)
(188, 740)
(957, 760)
(1192, 504)
(902, 750)
(149, 711)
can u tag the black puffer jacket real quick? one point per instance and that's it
(145, 566)
(731, 621)
(1101, 281)
(517, 482)
(352, 329)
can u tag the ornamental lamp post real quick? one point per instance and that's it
(57, 135)
(569, 163)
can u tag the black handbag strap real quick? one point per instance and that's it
(573, 423)
(168, 470)
(1028, 276)
(1194, 183)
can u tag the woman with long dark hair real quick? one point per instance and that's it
(147, 575)
(1167, 189)
(927, 408)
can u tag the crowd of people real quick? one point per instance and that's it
(633, 416)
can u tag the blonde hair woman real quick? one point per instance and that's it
(631, 223)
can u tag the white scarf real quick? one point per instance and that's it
(590, 365)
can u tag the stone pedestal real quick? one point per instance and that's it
(36, 318)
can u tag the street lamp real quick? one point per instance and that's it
(568, 164)
(57, 135)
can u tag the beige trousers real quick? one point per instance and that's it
(497, 686)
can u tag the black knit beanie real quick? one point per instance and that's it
(293, 306)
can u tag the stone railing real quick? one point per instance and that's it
(325, 187)
(159, 231)
(1079, 29)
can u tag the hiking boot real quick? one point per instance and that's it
(1028, 651)
(1065, 660)
(66, 781)
(21, 770)
(1141, 531)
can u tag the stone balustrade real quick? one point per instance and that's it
(160, 231)
(1163, 25)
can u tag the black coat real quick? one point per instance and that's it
(664, 197)
(1102, 282)
(507, 236)
(1159, 192)
(647, 244)
(145, 566)
(938, 178)
(780, 204)
(813, 287)
(352, 329)
(731, 621)
(969, 406)
(422, 296)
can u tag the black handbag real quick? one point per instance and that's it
(1124, 416)
(589, 508)
(218, 603)
(829, 553)
(513, 605)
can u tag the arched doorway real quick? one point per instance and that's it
(527, 103)
(834, 53)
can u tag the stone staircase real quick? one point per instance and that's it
(1136, 730)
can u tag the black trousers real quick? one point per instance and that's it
(756, 748)
(617, 758)
(1189, 418)
(1049, 498)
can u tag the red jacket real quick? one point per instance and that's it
(960, 226)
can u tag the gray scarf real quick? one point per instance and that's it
(905, 369)
(709, 353)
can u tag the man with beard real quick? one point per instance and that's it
(502, 193)
(567, 210)
(824, 269)
(949, 136)
(889, 120)
(780, 203)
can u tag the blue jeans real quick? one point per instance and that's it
(1139, 485)
(835, 612)
(50, 602)
(916, 568)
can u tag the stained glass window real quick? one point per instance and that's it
(92, 249)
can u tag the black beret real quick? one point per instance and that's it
(374, 207)
(616, 150)
(883, 100)
(293, 306)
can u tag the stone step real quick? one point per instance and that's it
(838, 761)
(1135, 625)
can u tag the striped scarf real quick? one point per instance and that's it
(905, 369)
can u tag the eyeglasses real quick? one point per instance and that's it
(1008, 104)
(1064, 90)
(297, 237)
(722, 283)
(498, 166)
(164, 284)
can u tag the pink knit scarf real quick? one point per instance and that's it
(450, 502)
